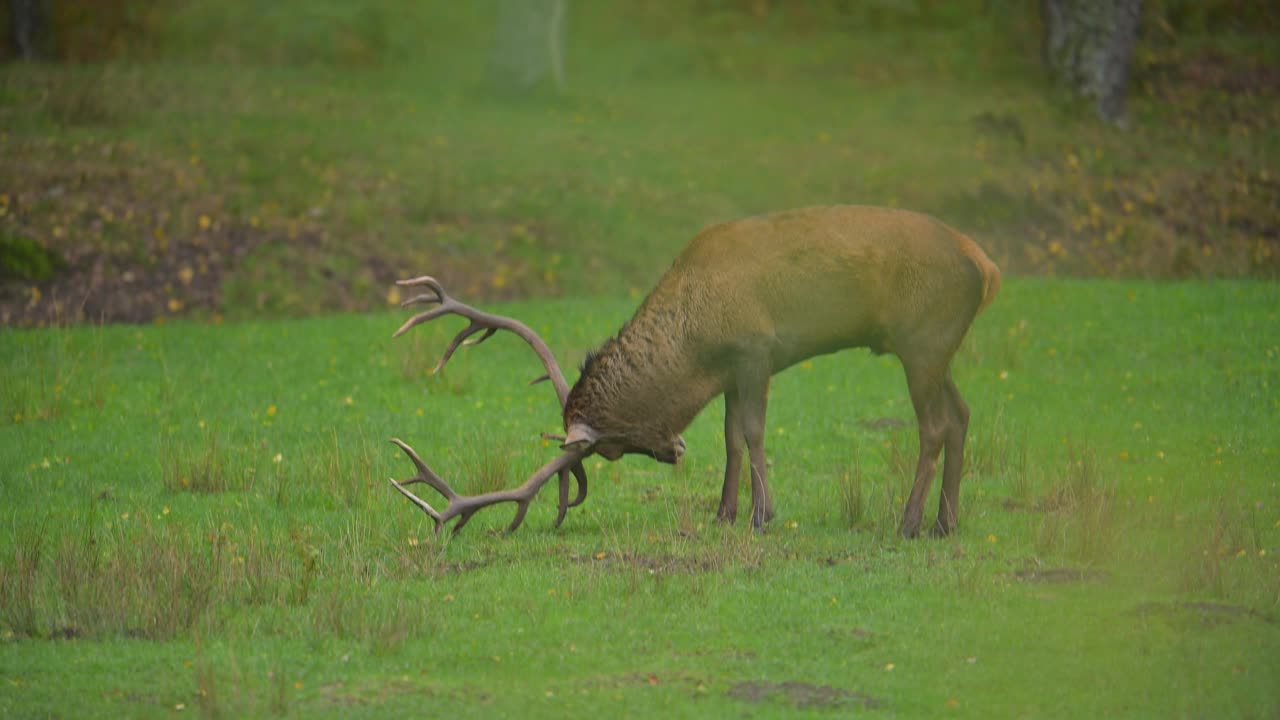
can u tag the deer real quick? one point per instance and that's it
(744, 301)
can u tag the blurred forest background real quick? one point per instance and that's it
(232, 158)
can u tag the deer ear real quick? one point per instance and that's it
(580, 437)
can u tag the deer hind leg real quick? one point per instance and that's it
(733, 445)
(953, 465)
(932, 404)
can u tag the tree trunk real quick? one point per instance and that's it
(27, 21)
(529, 44)
(1088, 45)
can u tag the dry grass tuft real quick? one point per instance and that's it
(1079, 518)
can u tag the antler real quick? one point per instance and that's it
(480, 320)
(489, 324)
(464, 506)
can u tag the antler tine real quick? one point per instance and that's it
(464, 506)
(562, 498)
(487, 334)
(564, 502)
(420, 318)
(427, 280)
(461, 339)
(579, 473)
(425, 474)
(437, 295)
(419, 299)
(422, 504)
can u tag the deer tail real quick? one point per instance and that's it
(987, 269)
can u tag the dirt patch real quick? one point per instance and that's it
(1208, 70)
(66, 632)
(459, 568)
(836, 560)
(103, 232)
(1060, 576)
(850, 637)
(1207, 614)
(802, 695)
(655, 564)
(1105, 211)
(365, 693)
(98, 234)
(98, 286)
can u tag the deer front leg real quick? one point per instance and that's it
(733, 443)
(753, 396)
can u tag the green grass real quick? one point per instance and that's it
(196, 516)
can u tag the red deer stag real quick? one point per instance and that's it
(745, 300)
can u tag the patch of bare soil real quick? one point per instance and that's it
(849, 559)
(1059, 576)
(802, 695)
(853, 636)
(1207, 614)
(95, 234)
(98, 286)
(1208, 70)
(101, 232)
(653, 563)
(1102, 211)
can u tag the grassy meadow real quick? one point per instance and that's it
(200, 221)
(196, 516)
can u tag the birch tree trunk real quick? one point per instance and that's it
(529, 44)
(1088, 45)
(27, 22)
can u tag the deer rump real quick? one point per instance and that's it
(745, 300)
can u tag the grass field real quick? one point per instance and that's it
(196, 517)
(194, 509)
